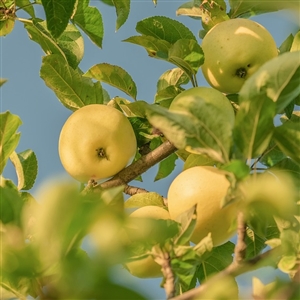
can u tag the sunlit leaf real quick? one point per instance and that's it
(164, 28)
(197, 160)
(71, 88)
(115, 76)
(144, 199)
(26, 168)
(89, 19)
(187, 55)
(173, 77)
(277, 79)
(165, 96)
(122, 10)
(69, 45)
(9, 137)
(239, 8)
(286, 44)
(203, 129)
(58, 14)
(6, 26)
(155, 47)
(296, 42)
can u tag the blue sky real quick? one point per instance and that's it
(26, 95)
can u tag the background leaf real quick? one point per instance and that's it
(71, 88)
(115, 76)
(26, 168)
(218, 259)
(166, 167)
(9, 137)
(89, 19)
(254, 126)
(277, 79)
(2, 81)
(26, 6)
(58, 13)
(287, 137)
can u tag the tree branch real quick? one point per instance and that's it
(240, 247)
(140, 166)
(268, 258)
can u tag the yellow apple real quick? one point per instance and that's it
(97, 141)
(147, 267)
(208, 94)
(205, 186)
(233, 50)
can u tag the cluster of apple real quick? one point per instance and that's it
(97, 141)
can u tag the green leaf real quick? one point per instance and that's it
(122, 10)
(27, 6)
(288, 166)
(165, 97)
(219, 258)
(187, 55)
(9, 137)
(286, 45)
(37, 32)
(174, 77)
(197, 160)
(202, 129)
(26, 168)
(6, 26)
(166, 167)
(287, 137)
(114, 76)
(71, 88)
(144, 199)
(254, 126)
(164, 28)
(238, 167)
(277, 79)
(11, 203)
(296, 42)
(210, 13)
(69, 45)
(272, 155)
(2, 81)
(155, 47)
(245, 8)
(58, 13)
(89, 19)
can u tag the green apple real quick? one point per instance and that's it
(147, 267)
(233, 50)
(205, 186)
(96, 142)
(210, 95)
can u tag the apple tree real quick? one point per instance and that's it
(234, 207)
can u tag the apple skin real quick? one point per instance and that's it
(233, 50)
(205, 186)
(147, 267)
(96, 142)
(209, 95)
